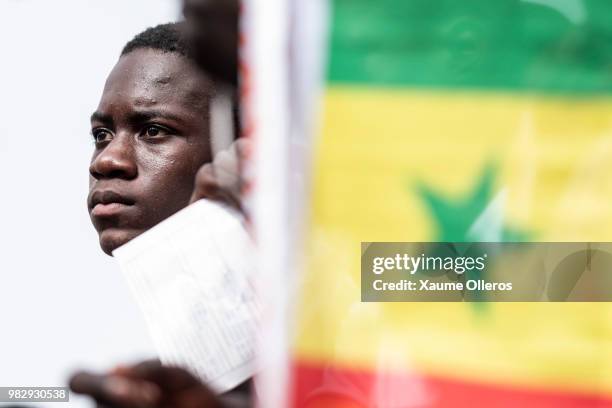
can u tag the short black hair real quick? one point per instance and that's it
(164, 37)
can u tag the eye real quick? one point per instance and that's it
(154, 131)
(101, 135)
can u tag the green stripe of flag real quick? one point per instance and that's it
(541, 45)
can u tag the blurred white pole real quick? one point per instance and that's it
(266, 99)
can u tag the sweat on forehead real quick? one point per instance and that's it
(153, 74)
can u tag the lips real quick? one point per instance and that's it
(107, 203)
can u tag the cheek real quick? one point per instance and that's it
(179, 155)
(167, 174)
(176, 163)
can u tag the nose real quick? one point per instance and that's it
(116, 160)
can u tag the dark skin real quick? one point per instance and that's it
(151, 138)
(146, 385)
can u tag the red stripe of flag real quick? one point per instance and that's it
(317, 386)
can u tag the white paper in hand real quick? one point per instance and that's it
(192, 277)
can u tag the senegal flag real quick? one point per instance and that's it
(457, 121)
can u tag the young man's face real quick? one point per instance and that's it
(151, 133)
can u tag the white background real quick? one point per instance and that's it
(63, 303)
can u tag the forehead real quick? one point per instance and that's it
(147, 77)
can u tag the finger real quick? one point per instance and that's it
(181, 388)
(146, 366)
(207, 185)
(116, 390)
(243, 148)
(244, 151)
(227, 160)
(120, 370)
(86, 383)
(168, 378)
(231, 164)
(227, 180)
(215, 193)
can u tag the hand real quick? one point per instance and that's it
(212, 26)
(145, 385)
(221, 180)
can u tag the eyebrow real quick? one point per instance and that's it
(101, 117)
(146, 115)
(137, 117)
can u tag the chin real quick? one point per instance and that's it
(111, 239)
